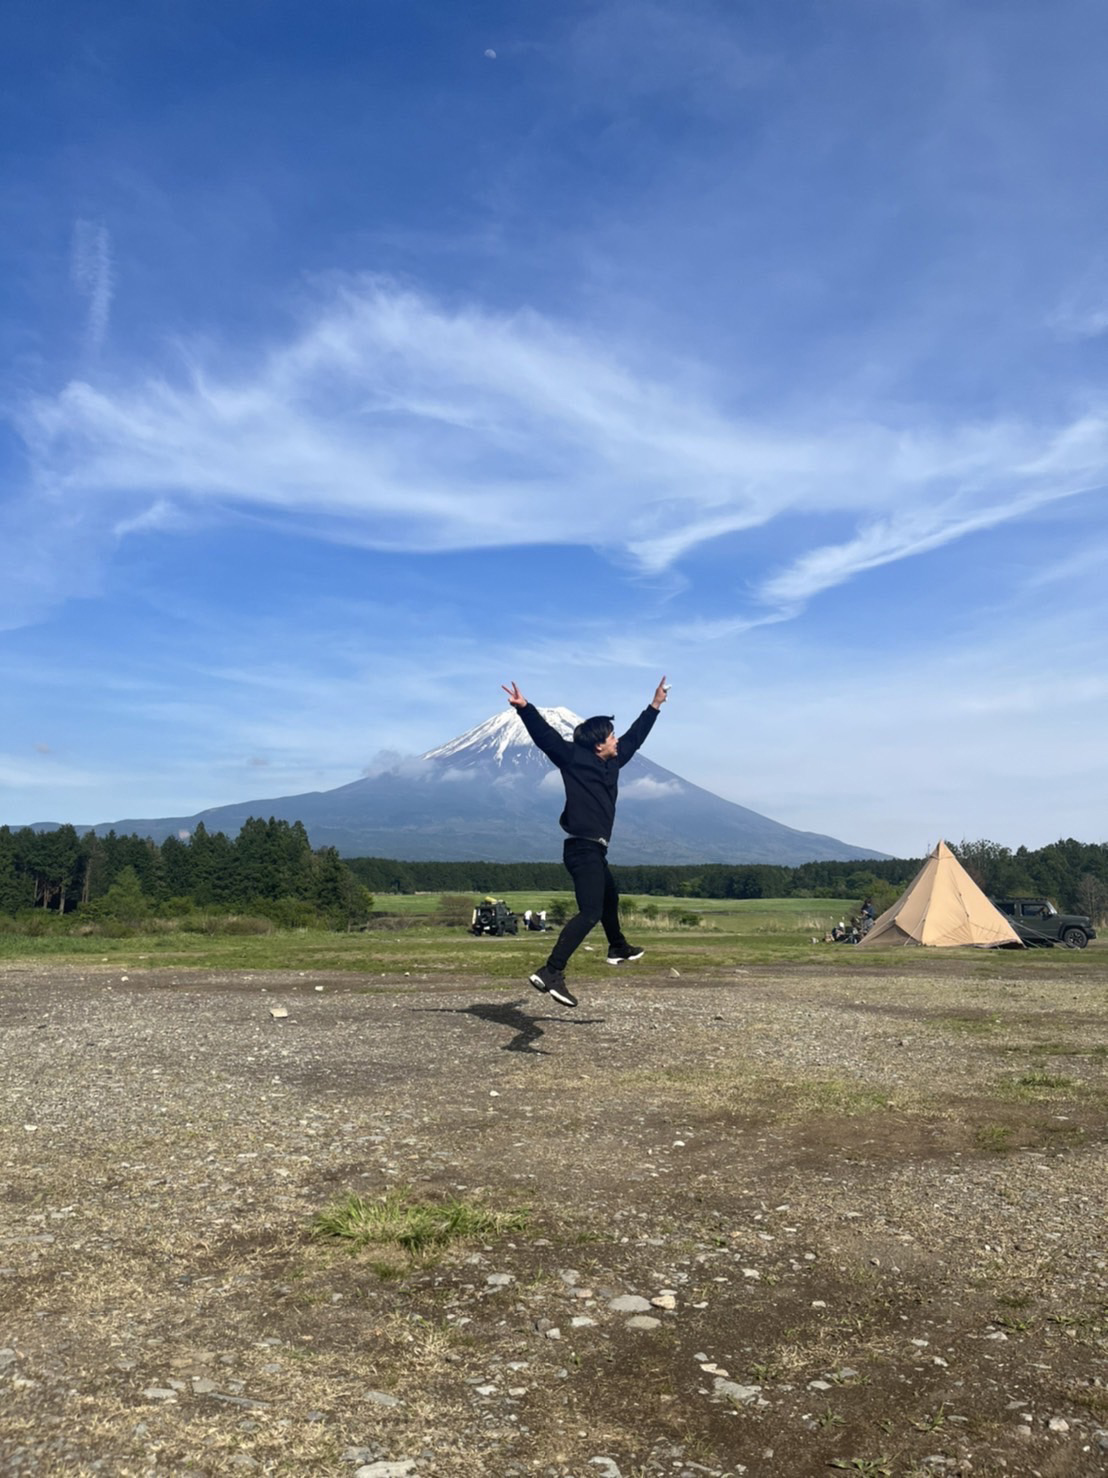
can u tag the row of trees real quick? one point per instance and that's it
(1073, 874)
(269, 867)
(272, 863)
(704, 880)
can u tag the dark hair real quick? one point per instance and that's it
(593, 731)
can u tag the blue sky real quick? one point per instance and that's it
(358, 357)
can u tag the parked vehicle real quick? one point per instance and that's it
(1037, 921)
(493, 916)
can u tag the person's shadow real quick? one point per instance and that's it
(527, 1029)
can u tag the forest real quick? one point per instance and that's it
(1073, 874)
(271, 870)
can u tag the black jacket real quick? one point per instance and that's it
(591, 783)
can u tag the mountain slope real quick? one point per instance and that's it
(490, 794)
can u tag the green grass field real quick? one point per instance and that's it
(406, 937)
(756, 915)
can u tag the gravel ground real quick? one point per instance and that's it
(782, 1221)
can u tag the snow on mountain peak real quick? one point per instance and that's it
(500, 739)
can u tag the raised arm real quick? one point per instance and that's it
(630, 742)
(544, 735)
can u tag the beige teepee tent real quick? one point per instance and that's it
(942, 905)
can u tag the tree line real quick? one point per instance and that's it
(269, 868)
(1073, 874)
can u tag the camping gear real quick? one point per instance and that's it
(944, 907)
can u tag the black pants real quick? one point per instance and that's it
(597, 899)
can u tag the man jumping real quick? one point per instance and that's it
(590, 769)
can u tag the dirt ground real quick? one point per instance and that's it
(783, 1221)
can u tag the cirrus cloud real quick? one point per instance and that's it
(388, 421)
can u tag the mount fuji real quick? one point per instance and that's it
(491, 795)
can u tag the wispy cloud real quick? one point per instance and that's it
(91, 272)
(391, 422)
(900, 537)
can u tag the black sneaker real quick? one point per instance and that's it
(553, 983)
(624, 954)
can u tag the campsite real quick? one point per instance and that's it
(942, 907)
(759, 1206)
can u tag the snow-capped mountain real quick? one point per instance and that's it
(491, 795)
(503, 741)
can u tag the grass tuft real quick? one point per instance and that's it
(417, 1226)
(994, 1137)
(970, 1025)
(1036, 1084)
(834, 1096)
